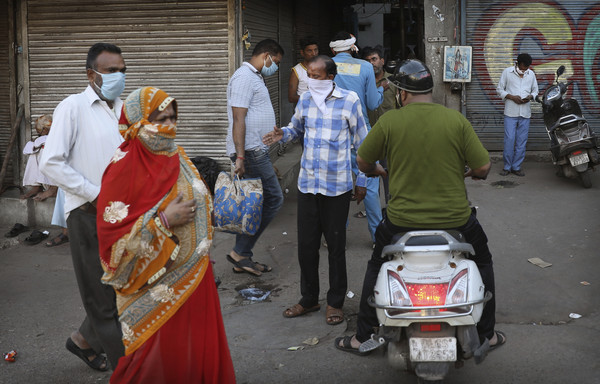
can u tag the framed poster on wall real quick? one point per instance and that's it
(457, 64)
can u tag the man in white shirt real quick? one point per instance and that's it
(298, 84)
(517, 87)
(81, 143)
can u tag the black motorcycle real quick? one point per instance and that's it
(573, 145)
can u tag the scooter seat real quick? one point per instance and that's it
(430, 240)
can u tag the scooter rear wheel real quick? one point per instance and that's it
(586, 178)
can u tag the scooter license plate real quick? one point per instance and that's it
(579, 159)
(433, 349)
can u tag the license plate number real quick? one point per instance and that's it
(579, 159)
(433, 349)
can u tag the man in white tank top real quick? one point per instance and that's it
(309, 48)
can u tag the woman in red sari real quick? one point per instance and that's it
(155, 233)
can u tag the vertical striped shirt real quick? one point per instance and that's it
(326, 167)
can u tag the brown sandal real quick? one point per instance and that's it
(334, 315)
(298, 310)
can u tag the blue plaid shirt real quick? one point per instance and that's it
(326, 162)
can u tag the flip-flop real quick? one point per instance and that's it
(347, 346)
(83, 354)
(243, 264)
(298, 310)
(17, 229)
(62, 238)
(501, 340)
(266, 268)
(36, 237)
(360, 214)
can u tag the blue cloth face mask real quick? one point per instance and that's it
(268, 71)
(113, 84)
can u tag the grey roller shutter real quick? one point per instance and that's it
(5, 121)
(179, 46)
(260, 18)
(553, 33)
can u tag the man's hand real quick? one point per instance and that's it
(239, 168)
(378, 171)
(274, 136)
(516, 99)
(359, 193)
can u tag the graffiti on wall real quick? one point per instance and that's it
(553, 38)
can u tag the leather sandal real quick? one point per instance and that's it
(334, 315)
(298, 310)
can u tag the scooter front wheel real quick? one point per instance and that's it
(586, 178)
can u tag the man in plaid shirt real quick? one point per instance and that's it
(331, 120)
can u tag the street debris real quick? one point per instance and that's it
(311, 341)
(254, 294)
(585, 283)
(574, 315)
(350, 294)
(298, 348)
(10, 356)
(284, 233)
(539, 262)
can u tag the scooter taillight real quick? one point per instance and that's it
(427, 294)
(431, 327)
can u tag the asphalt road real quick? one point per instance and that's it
(539, 215)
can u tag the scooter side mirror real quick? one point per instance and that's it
(560, 71)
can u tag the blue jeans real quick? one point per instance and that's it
(516, 131)
(372, 203)
(258, 164)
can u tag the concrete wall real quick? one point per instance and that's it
(370, 16)
(441, 23)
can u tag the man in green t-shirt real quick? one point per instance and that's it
(427, 147)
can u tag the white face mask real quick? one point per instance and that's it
(518, 70)
(319, 90)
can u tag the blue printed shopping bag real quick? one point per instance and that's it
(238, 204)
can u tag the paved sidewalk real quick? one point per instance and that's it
(539, 215)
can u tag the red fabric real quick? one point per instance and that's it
(140, 179)
(190, 348)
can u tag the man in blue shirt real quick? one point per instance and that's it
(357, 75)
(251, 116)
(331, 120)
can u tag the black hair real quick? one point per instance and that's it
(524, 58)
(330, 66)
(268, 45)
(96, 50)
(368, 51)
(341, 35)
(308, 40)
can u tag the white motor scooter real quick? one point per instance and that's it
(429, 298)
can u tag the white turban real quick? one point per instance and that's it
(344, 45)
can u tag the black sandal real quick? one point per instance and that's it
(246, 265)
(83, 354)
(58, 240)
(347, 346)
(36, 237)
(17, 229)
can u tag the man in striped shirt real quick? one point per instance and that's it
(331, 120)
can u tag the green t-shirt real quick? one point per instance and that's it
(427, 146)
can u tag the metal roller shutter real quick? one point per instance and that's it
(553, 33)
(261, 19)
(181, 47)
(5, 120)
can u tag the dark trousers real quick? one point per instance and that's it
(101, 327)
(322, 215)
(474, 234)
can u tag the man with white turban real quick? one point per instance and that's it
(357, 75)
